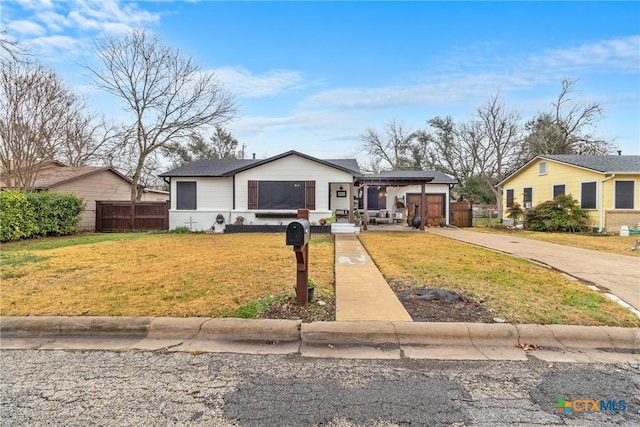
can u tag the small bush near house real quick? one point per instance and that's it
(38, 214)
(561, 214)
(17, 218)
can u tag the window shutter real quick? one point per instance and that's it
(252, 202)
(310, 195)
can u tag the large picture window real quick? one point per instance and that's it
(624, 194)
(281, 195)
(186, 195)
(588, 195)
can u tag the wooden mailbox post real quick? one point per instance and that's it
(298, 235)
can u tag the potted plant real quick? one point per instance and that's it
(311, 286)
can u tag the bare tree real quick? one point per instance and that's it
(10, 49)
(88, 140)
(167, 95)
(567, 128)
(484, 149)
(441, 149)
(36, 112)
(496, 144)
(392, 150)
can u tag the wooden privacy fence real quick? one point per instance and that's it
(461, 214)
(125, 216)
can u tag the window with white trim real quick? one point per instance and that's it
(624, 194)
(558, 190)
(542, 168)
(527, 198)
(588, 195)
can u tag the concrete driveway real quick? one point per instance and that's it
(616, 274)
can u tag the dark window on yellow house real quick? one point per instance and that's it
(558, 190)
(510, 198)
(624, 194)
(527, 198)
(588, 195)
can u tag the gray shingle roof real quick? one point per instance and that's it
(228, 167)
(617, 164)
(209, 167)
(438, 177)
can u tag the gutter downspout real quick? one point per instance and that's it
(601, 210)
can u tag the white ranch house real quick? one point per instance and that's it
(270, 191)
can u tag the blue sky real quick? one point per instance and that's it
(313, 76)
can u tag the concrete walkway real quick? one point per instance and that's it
(616, 274)
(361, 291)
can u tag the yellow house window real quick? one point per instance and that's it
(542, 168)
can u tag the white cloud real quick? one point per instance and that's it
(622, 54)
(58, 46)
(26, 28)
(243, 83)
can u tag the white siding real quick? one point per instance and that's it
(291, 168)
(211, 193)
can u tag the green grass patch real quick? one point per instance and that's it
(515, 289)
(65, 241)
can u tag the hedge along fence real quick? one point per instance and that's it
(38, 214)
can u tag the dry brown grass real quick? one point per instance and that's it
(605, 243)
(157, 275)
(517, 290)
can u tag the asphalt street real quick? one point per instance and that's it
(130, 388)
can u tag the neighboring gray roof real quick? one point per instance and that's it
(349, 164)
(229, 167)
(438, 177)
(610, 164)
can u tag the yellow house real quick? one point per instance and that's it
(605, 186)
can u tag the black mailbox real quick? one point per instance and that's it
(298, 232)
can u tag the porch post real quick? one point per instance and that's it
(365, 203)
(423, 207)
(351, 197)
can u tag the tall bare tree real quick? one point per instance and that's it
(567, 128)
(391, 150)
(37, 112)
(495, 142)
(441, 149)
(167, 95)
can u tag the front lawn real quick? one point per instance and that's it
(515, 289)
(155, 274)
(252, 275)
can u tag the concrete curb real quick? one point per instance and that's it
(370, 333)
(58, 326)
